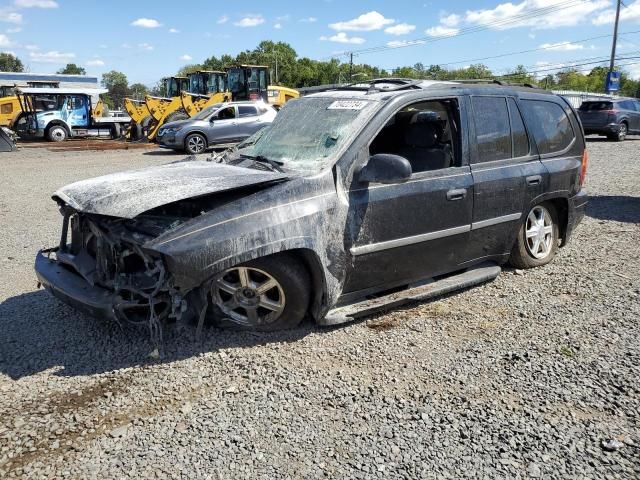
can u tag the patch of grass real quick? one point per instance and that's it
(567, 351)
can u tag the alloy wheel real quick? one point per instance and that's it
(249, 296)
(196, 144)
(539, 232)
(622, 131)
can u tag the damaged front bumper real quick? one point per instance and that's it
(72, 289)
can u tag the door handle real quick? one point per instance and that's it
(458, 194)
(534, 180)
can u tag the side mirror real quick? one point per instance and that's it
(385, 168)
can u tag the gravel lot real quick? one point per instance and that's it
(521, 378)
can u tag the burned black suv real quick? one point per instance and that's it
(354, 199)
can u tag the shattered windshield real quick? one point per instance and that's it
(308, 134)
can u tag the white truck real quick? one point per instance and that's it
(60, 113)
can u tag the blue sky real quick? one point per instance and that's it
(150, 39)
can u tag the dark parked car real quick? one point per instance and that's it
(614, 118)
(347, 198)
(223, 123)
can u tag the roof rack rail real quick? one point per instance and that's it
(496, 82)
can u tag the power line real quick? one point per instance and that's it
(533, 72)
(469, 30)
(538, 49)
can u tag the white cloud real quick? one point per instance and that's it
(250, 21)
(32, 47)
(222, 20)
(441, 31)
(309, 20)
(400, 29)
(174, 30)
(364, 23)
(452, 20)
(628, 13)
(95, 63)
(51, 57)
(36, 4)
(342, 37)
(404, 43)
(277, 26)
(145, 46)
(509, 15)
(634, 71)
(8, 16)
(562, 46)
(14, 30)
(4, 40)
(186, 58)
(146, 23)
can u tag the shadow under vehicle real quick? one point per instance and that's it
(352, 200)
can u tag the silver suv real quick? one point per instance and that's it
(219, 124)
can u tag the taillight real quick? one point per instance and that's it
(583, 166)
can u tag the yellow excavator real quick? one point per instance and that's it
(206, 87)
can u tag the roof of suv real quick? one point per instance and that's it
(385, 88)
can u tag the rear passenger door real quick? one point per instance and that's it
(506, 174)
(247, 121)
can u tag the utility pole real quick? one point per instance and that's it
(613, 45)
(351, 67)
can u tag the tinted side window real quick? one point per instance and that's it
(549, 125)
(518, 132)
(492, 128)
(627, 105)
(247, 111)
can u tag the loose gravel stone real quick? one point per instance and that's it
(520, 378)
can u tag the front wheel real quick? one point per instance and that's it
(195, 143)
(57, 133)
(537, 241)
(266, 294)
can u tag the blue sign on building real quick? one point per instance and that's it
(612, 83)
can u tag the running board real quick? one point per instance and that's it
(474, 276)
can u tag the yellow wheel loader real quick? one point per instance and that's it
(251, 82)
(9, 109)
(140, 118)
(169, 108)
(206, 87)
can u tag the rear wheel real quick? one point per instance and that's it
(116, 131)
(195, 143)
(537, 242)
(623, 130)
(266, 294)
(57, 133)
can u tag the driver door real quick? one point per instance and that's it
(75, 111)
(404, 232)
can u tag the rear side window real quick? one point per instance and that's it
(247, 111)
(492, 128)
(595, 106)
(627, 105)
(518, 132)
(549, 125)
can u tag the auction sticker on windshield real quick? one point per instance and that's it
(348, 105)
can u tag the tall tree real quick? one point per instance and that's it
(10, 63)
(118, 86)
(72, 69)
(138, 90)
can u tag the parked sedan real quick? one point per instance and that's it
(223, 123)
(614, 118)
